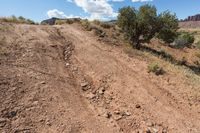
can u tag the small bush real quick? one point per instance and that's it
(198, 55)
(66, 21)
(97, 22)
(183, 40)
(105, 25)
(183, 61)
(155, 68)
(198, 44)
(86, 24)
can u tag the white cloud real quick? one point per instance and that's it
(97, 9)
(59, 14)
(141, 0)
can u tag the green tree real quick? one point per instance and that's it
(168, 32)
(142, 25)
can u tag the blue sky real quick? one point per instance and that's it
(93, 9)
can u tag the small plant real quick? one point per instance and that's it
(65, 21)
(198, 55)
(183, 40)
(183, 61)
(105, 25)
(86, 24)
(97, 22)
(155, 68)
(198, 44)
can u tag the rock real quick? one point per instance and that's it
(107, 115)
(35, 103)
(117, 112)
(75, 69)
(148, 131)
(2, 122)
(67, 64)
(11, 114)
(90, 96)
(84, 84)
(127, 113)
(43, 82)
(155, 130)
(137, 106)
(101, 90)
(48, 122)
(118, 117)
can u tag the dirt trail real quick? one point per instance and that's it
(62, 79)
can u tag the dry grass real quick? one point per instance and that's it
(170, 69)
(18, 20)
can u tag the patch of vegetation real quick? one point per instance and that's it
(183, 40)
(106, 25)
(183, 61)
(86, 24)
(198, 55)
(155, 68)
(96, 22)
(140, 26)
(67, 21)
(3, 52)
(198, 44)
(14, 19)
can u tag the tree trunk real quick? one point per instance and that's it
(137, 45)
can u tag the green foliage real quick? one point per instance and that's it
(86, 24)
(198, 44)
(105, 25)
(155, 68)
(183, 40)
(64, 21)
(142, 25)
(169, 27)
(97, 22)
(14, 19)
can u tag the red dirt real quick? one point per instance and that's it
(61, 79)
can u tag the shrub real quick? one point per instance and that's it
(155, 68)
(183, 40)
(86, 24)
(64, 21)
(198, 55)
(106, 25)
(97, 22)
(183, 61)
(198, 44)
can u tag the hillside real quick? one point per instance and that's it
(64, 79)
(190, 24)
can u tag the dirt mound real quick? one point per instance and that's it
(62, 79)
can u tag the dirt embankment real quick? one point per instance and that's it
(62, 79)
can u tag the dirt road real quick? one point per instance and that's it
(61, 79)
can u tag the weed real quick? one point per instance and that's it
(155, 68)
(86, 24)
(198, 44)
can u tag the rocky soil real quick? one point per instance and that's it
(62, 79)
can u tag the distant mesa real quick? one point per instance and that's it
(193, 18)
(52, 21)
